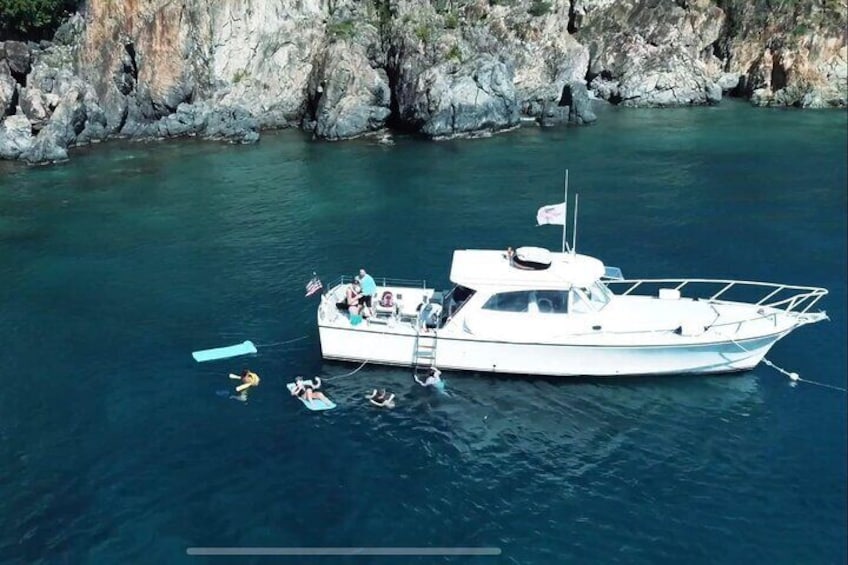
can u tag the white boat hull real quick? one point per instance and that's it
(380, 347)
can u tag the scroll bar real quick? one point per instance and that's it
(372, 551)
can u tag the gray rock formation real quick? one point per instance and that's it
(36, 107)
(653, 52)
(575, 96)
(66, 123)
(471, 99)
(219, 123)
(15, 136)
(788, 53)
(346, 95)
(19, 58)
(8, 90)
(343, 68)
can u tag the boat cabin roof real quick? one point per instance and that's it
(476, 268)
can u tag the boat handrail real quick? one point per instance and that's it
(791, 298)
(383, 282)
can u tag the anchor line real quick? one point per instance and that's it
(794, 377)
(347, 374)
(282, 342)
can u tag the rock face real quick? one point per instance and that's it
(443, 68)
(223, 123)
(794, 54)
(653, 52)
(15, 137)
(347, 94)
(8, 90)
(18, 57)
(475, 98)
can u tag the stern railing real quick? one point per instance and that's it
(381, 281)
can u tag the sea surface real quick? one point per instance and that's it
(116, 447)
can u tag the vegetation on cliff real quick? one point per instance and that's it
(33, 19)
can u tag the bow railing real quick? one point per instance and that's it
(790, 298)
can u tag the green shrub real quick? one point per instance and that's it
(385, 12)
(33, 19)
(455, 53)
(539, 8)
(451, 20)
(343, 29)
(240, 75)
(424, 32)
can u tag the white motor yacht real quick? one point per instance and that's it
(536, 312)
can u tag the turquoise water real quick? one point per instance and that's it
(116, 446)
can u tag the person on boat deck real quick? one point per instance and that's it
(428, 314)
(308, 389)
(352, 296)
(248, 380)
(510, 253)
(382, 398)
(369, 288)
(433, 378)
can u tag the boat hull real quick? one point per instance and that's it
(387, 348)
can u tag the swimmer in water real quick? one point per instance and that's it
(382, 398)
(433, 379)
(248, 379)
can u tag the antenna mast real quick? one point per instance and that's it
(565, 211)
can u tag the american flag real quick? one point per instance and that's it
(313, 286)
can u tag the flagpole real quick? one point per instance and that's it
(574, 230)
(565, 210)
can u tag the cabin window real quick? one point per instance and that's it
(458, 297)
(580, 303)
(552, 301)
(508, 302)
(599, 295)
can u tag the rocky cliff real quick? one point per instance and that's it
(442, 68)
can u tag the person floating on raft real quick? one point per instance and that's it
(248, 379)
(308, 389)
(382, 398)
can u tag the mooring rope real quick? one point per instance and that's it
(794, 377)
(347, 374)
(281, 342)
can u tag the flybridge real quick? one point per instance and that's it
(474, 268)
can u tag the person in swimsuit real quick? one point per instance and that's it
(248, 379)
(382, 398)
(353, 297)
(308, 389)
(433, 378)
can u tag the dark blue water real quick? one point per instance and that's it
(116, 448)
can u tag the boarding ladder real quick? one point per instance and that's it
(424, 353)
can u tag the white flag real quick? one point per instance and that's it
(553, 214)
